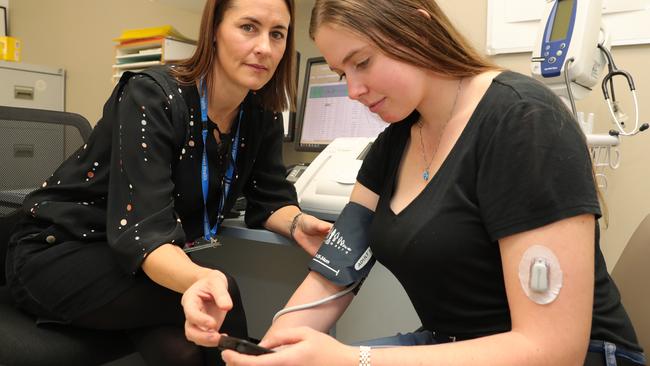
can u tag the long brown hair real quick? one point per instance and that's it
(277, 95)
(401, 31)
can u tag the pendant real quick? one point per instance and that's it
(425, 175)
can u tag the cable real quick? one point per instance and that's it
(317, 302)
(568, 86)
(610, 60)
(621, 131)
(611, 66)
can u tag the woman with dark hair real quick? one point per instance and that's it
(101, 244)
(481, 202)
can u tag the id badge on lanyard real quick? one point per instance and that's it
(209, 239)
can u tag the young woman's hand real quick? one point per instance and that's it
(298, 346)
(310, 233)
(205, 304)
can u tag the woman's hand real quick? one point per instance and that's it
(299, 346)
(205, 304)
(310, 233)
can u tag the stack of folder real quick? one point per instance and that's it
(152, 33)
(138, 49)
(9, 49)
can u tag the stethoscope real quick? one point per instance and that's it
(611, 103)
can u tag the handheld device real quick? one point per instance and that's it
(242, 346)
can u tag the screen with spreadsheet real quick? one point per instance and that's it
(326, 112)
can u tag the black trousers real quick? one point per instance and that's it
(80, 284)
(153, 318)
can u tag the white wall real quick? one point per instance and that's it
(77, 35)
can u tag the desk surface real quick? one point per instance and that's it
(236, 228)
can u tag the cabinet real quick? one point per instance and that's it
(137, 55)
(30, 151)
(31, 86)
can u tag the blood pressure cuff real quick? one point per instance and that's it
(345, 256)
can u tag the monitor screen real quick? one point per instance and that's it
(561, 20)
(326, 112)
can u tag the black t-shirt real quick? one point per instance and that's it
(520, 163)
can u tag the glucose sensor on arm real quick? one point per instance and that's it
(540, 274)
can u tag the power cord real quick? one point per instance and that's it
(317, 302)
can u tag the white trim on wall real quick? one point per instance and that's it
(5, 4)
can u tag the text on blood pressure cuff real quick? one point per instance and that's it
(345, 256)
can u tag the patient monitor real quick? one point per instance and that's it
(568, 38)
(324, 188)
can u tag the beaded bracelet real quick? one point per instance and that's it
(364, 356)
(294, 224)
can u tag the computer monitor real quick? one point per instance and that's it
(326, 112)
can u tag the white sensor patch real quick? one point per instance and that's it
(540, 274)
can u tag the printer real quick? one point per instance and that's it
(324, 188)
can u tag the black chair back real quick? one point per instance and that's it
(34, 143)
(7, 224)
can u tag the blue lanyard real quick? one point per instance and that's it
(211, 233)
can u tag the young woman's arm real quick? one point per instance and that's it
(322, 317)
(316, 287)
(552, 334)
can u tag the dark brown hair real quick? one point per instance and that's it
(273, 95)
(400, 30)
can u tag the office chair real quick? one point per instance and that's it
(631, 274)
(34, 143)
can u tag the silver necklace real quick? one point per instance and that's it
(427, 164)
